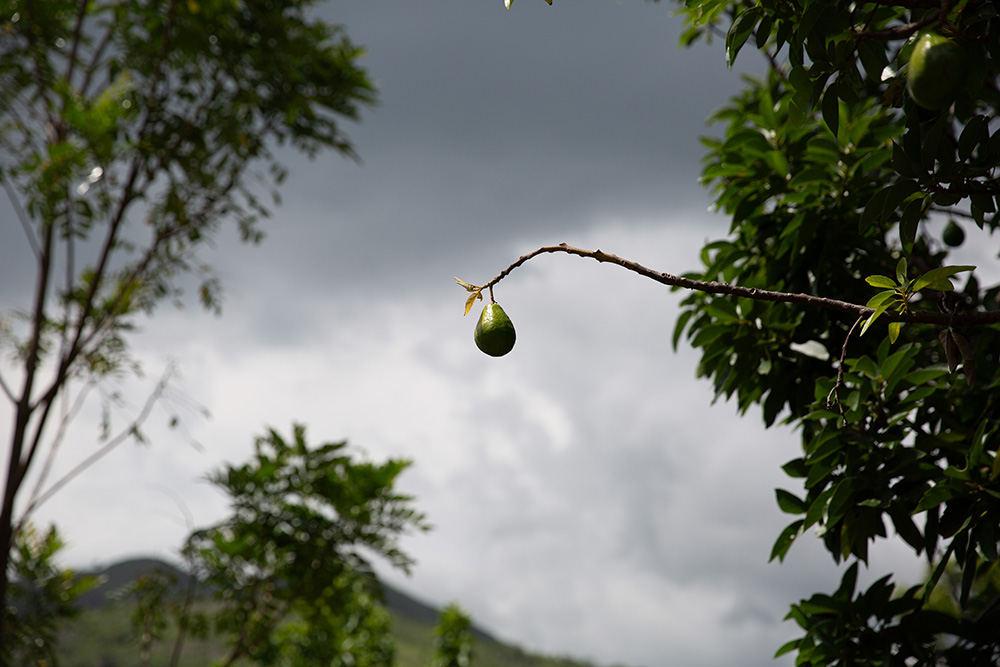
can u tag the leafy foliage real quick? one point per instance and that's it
(131, 131)
(453, 639)
(296, 549)
(835, 180)
(899, 291)
(41, 596)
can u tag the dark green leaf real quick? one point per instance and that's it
(933, 497)
(913, 212)
(795, 468)
(848, 583)
(787, 647)
(739, 31)
(975, 134)
(785, 540)
(831, 110)
(790, 503)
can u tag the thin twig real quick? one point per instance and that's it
(835, 392)
(973, 318)
(22, 218)
(71, 60)
(7, 390)
(122, 436)
(68, 413)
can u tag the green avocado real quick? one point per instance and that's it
(494, 331)
(936, 72)
(953, 235)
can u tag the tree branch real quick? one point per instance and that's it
(69, 412)
(835, 392)
(130, 430)
(901, 31)
(15, 204)
(23, 408)
(81, 14)
(975, 318)
(96, 60)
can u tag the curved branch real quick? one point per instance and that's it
(975, 318)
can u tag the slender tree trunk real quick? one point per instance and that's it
(5, 540)
(16, 468)
(15, 475)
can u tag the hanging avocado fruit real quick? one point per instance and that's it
(936, 72)
(494, 331)
(953, 235)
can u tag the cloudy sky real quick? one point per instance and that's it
(587, 497)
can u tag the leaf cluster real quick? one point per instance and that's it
(836, 182)
(42, 596)
(898, 292)
(131, 131)
(881, 626)
(296, 547)
(453, 640)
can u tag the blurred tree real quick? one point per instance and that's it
(288, 570)
(453, 640)
(294, 549)
(42, 594)
(130, 132)
(849, 171)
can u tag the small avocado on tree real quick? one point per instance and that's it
(833, 306)
(130, 133)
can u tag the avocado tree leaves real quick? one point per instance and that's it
(740, 30)
(888, 431)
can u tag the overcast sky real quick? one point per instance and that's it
(587, 497)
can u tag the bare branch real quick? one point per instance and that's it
(67, 416)
(17, 467)
(975, 318)
(96, 60)
(74, 49)
(22, 218)
(7, 390)
(835, 392)
(128, 431)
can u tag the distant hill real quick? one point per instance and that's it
(102, 637)
(115, 577)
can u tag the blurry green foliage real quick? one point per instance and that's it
(131, 133)
(40, 596)
(453, 640)
(289, 567)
